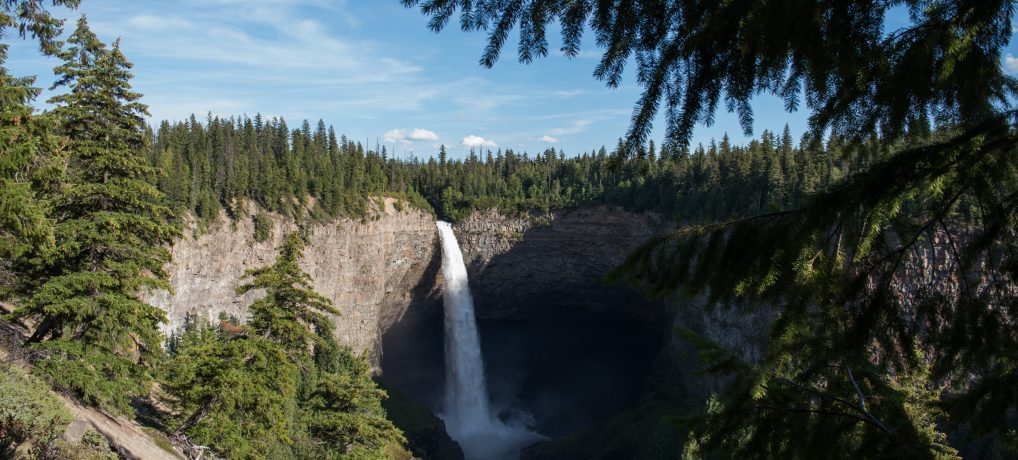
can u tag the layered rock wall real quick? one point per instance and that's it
(368, 268)
(526, 264)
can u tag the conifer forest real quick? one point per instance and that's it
(798, 239)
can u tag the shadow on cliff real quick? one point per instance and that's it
(562, 265)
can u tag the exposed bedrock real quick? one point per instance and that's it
(369, 268)
(528, 265)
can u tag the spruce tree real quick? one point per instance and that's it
(280, 385)
(111, 236)
(233, 391)
(31, 154)
(31, 170)
(291, 313)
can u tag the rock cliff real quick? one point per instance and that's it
(369, 269)
(526, 264)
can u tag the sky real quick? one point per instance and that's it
(374, 71)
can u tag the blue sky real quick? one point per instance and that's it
(374, 71)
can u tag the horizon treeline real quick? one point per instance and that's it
(210, 166)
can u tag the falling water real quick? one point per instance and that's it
(467, 411)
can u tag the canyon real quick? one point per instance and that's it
(563, 348)
(569, 354)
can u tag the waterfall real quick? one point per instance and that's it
(466, 399)
(467, 411)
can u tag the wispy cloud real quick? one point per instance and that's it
(568, 93)
(261, 49)
(577, 126)
(472, 141)
(153, 23)
(320, 59)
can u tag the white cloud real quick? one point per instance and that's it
(576, 127)
(548, 139)
(406, 137)
(420, 134)
(477, 141)
(394, 135)
(1011, 63)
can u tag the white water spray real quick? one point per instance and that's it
(467, 412)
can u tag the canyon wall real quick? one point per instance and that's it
(526, 264)
(383, 271)
(375, 269)
(369, 268)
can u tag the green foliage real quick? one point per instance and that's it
(719, 181)
(279, 386)
(111, 236)
(262, 227)
(31, 154)
(30, 416)
(30, 18)
(711, 182)
(291, 313)
(233, 392)
(217, 164)
(345, 411)
(94, 376)
(31, 167)
(850, 361)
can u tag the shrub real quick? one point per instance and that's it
(262, 227)
(30, 416)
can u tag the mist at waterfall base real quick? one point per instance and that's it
(466, 409)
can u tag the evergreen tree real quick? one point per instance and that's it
(31, 169)
(279, 386)
(291, 313)
(111, 236)
(31, 155)
(344, 412)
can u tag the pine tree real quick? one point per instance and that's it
(31, 155)
(111, 235)
(291, 312)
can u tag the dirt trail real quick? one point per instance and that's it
(124, 435)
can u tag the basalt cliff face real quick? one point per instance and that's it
(374, 270)
(526, 265)
(369, 268)
(383, 274)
